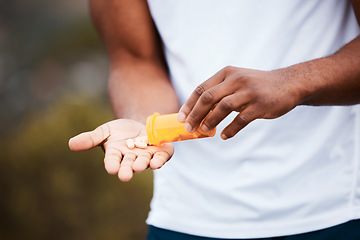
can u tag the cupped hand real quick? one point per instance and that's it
(119, 159)
(253, 93)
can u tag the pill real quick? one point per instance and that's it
(140, 144)
(145, 139)
(130, 143)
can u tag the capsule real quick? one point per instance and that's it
(167, 128)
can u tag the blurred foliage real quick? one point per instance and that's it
(50, 192)
(53, 73)
(41, 42)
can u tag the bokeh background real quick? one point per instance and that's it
(53, 85)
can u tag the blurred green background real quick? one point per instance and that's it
(53, 80)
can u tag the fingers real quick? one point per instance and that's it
(228, 104)
(231, 89)
(131, 163)
(208, 99)
(159, 159)
(239, 122)
(88, 140)
(205, 98)
(155, 158)
(194, 97)
(202, 107)
(124, 162)
(142, 162)
(126, 171)
(112, 158)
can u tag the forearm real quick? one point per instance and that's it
(140, 88)
(139, 83)
(332, 80)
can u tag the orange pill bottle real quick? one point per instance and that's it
(167, 128)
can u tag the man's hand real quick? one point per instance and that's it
(253, 93)
(119, 159)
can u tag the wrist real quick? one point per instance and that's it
(296, 82)
(137, 89)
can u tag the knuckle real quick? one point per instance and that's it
(199, 90)
(210, 123)
(251, 93)
(207, 97)
(228, 69)
(226, 105)
(244, 118)
(163, 157)
(160, 155)
(240, 78)
(241, 120)
(114, 152)
(145, 155)
(193, 117)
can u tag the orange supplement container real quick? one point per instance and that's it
(167, 128)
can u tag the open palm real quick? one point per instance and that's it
(119, 159)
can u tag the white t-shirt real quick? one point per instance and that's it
(294, 174)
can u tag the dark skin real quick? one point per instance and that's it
(332, 80)
(138, 72)
(139, 86)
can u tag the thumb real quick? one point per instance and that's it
(88, 140)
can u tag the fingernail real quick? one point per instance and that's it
(181, 117)
(224, 137)
(205, 128)
(188, 128)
